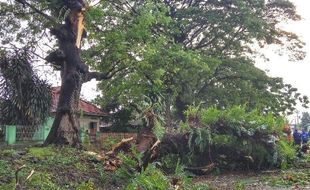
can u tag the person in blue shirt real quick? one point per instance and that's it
(297, 137)
(304, 136)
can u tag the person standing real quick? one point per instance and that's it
(304, 136)
(297, 137)
(287, 130)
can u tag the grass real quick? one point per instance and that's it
(64, 168)
(54, 169)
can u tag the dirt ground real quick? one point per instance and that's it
(265, 180)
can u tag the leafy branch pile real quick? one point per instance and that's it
(231, 139)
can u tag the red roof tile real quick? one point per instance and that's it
(86, 107)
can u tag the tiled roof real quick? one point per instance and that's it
(86, 107)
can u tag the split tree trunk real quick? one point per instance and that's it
(66, 126)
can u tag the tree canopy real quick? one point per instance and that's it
(192, 51)
(176, 53)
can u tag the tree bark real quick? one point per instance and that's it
(66, 126)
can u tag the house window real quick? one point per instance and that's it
(92, 125)
(92, 128)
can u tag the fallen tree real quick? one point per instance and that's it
(232, 139)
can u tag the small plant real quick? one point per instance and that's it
(240, 185)
(89, 185)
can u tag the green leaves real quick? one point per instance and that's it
(24, 99)
(191, 51)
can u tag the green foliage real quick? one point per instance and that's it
(55, 168)
(42, 153)
(127, 170)
(86, 140)
(185, 53)
(8, 152)
(183, 127)
(109, 142)
(8, 186)
(6, 173)
(184, 178)
(287, 153)
(103, 174)
(201, 138)
(210, 116)
(169, 162)
(66, 158)
(89, 185)
(159, 130)
(252, 138)
(240, 185)
(192, 111)
(25, 99)
(41, 181)
(150, 178)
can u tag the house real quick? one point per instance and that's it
(90, 117)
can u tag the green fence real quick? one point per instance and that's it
(19, 134)
(24, 135)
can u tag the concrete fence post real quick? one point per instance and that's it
(47, 127)
(10, 135)
(82, 135)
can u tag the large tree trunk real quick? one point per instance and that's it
(66, 126)
(65, 129)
